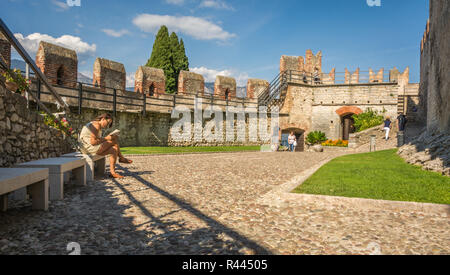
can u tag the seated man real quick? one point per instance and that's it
(92, 142)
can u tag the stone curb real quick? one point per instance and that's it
(191, 153)
(282, 196)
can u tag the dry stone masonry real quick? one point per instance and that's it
(23, 134)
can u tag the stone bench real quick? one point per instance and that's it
(57, 167)
(95, 164)
(34, 180)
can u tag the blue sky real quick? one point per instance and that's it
(239, 38)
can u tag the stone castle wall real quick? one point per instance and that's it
(435, 68)
(109, 74)
(59, 65)
(23, 134)
(318, 108)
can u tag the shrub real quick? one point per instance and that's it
(316, 137)
(368, 119)
(65, 127)
(22, 83)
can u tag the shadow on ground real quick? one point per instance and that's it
(93, 217)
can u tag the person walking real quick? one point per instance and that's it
(292, 139)
(387, 126)
(402, 120)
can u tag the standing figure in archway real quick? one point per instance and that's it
(292, 139)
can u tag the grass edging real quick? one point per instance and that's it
(381, 175)
(283, 195)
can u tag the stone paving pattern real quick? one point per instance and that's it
(209, 204)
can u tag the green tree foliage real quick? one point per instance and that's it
(368, 119)
(316, 137)
(169, 54)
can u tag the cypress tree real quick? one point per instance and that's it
(172, 83)
(184, 61)
(169, 54)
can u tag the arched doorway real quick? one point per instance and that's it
(299, 134)
(347, 121)
(347, 126)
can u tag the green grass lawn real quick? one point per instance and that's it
(186, 150)
(380, 175)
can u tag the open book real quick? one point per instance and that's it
(115, 133)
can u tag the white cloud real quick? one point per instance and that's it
(210, 75)
(115, 33)
(31, 44)
(196, 27)
(60, 6)
(215, 4)
(175, 2)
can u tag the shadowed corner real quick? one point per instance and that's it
(180, 236)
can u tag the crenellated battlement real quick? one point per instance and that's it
(109, 73)
(425, 36)
(300, 64)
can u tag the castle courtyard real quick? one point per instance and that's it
(216, 204)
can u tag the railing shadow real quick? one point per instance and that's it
(215, 229)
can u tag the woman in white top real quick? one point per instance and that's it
(92, 142)
(291, 140)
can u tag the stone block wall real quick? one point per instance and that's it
(318, 108)
(298, 63)
(109, 74)
(238, 137)
(5, 49)
(135, 129)
(147, 79)
(23, 134)
(59, 65)
(255, 87)
(225, 87)
(191, 83)
(435, 68)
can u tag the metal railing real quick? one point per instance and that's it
(336, 78)
(115, 97)
(39, 75)
(274, 92)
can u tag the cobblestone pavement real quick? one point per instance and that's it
(208, 204)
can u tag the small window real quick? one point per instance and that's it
(59, 76)
(151, 90)
(227, 93)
